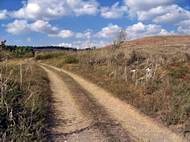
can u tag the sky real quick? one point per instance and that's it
(85, 23)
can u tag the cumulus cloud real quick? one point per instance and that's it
(173, 14)
(3, 14)
(113, 12)
(43, 27)
(109, 32)
(65, 34)
(84, 35)
(141, 5)
(48, 9)
(184, 27)
(140, 30)
(81, 7)
(22, 26)
(164, 14)
(159, 12)
(18, 27)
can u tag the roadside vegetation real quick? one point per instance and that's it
(49, 55)
(24, 102)
(11, 52)
(20, 52)
(58, 57)
(153, 79)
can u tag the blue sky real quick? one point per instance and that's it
(84, 23)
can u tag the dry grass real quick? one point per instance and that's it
(24, 103)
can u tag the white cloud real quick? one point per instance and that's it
(109, 32)
(81, 7)
(151, 14)
(140, 30)
(113, 12)
(84, 35)
(31, 10)
(40, 26)
(43, 27)
(172, 14)
(18, 27)
(141, 5)
(159, 12)
(139, 27)
(164, 14)
(49, 9)
(184, 27)
(3, 14)
(65, 34)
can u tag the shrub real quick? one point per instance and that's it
(70, 59)
(23, 52)
(135, 57)
(48, 55)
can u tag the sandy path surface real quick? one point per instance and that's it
(70, 124)
(137, 124)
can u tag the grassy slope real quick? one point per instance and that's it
(24, 103)
(165, 96)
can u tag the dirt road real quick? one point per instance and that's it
(122, 116)
(77, 118)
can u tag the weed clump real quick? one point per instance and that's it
(135, 58)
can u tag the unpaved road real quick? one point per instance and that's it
(77, 118)
(118, 113)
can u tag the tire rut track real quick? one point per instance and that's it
(70, 124)
(112, 130)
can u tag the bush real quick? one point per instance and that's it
(48, 55)
(70, 59)
(23, 52)
(135, 58)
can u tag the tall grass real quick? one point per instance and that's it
(24, 103)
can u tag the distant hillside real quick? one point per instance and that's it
(161, 40)
(158, 41)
